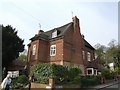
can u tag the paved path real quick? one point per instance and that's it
(106, 85)
(115, 85)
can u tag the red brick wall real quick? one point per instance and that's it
(33, 58)
(59, 50)
(86, 54)
(68, 45)
(43, 51)
(73, 44)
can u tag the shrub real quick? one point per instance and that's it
(73, 71)
(90, 80)
(42, 72)
(105, 73)
(61, 74)
(117, 70)
(22, 79)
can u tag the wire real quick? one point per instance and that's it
(23, 10)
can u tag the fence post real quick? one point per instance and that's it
(51, 82)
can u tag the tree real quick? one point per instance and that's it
(105, 72)
(23, 56)
(12, 45)
(113, 52)
(100, 51)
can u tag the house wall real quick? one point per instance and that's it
(68, 49)
(59, 51)
(86, 50)
(43, 51)
(33, 59)
(73, 43)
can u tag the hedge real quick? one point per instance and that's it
(42, 72)
(90, 80)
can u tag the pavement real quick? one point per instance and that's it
(104, 86)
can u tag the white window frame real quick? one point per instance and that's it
(54, 34)
(88, 56)
(34, 49)
(83, 55)
(95, 71)
(52, 49)
(92, 71)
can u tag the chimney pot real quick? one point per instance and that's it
(40, 31)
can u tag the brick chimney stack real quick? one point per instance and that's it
(76, 24)
(75, 21)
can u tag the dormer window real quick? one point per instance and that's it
(54, 34)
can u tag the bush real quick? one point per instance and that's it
(19, 81)
(42, 72)
(117, 70)
(90, 80)
(73, 71)
(105, 73)
(22, 79)
(61, 74)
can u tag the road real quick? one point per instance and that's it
(112, 86)
(115, 85)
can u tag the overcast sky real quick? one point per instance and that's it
(98, 18)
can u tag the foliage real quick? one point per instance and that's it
(12, 44)
(90, 80)
(23, 56)
(73, 71)
(22, 79)
(109, 54)
(61, 74)
(100, 51)
(105, 72)
(117, 70)
(19, 81)
(42, 72)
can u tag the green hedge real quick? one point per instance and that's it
(90, 80)
(61, 74)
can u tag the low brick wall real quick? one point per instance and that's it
(68, 86)
(38, 85)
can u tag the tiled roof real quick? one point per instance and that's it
(95, 64)
(16, 65)
(48, 34)
(88, 45)
(61, 29)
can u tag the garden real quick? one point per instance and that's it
(65, 76)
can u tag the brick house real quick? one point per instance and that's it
(64, 45)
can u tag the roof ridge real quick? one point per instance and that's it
(59, 27)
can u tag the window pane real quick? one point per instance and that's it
(89, 71)
(89, 56)
(83, 55)
(54, 34)
(53, 50)
(34, 49)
